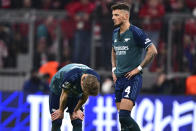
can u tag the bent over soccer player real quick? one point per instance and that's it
(128, 44)
(70, 87)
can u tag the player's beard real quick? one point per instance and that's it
(118, 25)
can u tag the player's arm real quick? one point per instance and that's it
(81, 102)
(63, 100)
(113, 60)
(150, 54)
(58, 114)
(151, 51)
(77, 112)
(144, 41)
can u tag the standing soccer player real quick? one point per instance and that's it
(127, 47)
(70, 88)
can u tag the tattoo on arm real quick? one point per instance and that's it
(151, 53)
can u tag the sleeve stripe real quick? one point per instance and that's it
(148, 45)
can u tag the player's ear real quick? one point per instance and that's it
(127, 15)
(82, 79)
(124, 15)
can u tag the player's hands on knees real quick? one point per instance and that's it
(132, 73)
(78, 115)
(58, 114)
(114, 77)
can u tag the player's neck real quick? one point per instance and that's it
(124, 27)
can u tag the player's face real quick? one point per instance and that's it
(117, 17)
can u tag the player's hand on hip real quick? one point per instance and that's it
(114, 77)
(132, 73)
(57, 115)
(78, 115)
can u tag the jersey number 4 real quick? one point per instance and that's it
(128, 90)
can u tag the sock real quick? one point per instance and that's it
(77, 125)
(127, 123)
(56, 125)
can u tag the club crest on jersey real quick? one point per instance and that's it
(126, 39)
(66, 85)
(115, 40)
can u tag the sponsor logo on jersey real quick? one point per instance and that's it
(117, 48)
(121, 50)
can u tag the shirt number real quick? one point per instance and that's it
(128, 90)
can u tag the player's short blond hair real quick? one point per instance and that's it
(91, 85)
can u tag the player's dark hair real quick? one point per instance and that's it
(91, 85)
(121, 6)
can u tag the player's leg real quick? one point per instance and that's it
(56, 125)
(118, 105)
(119, 87)
(54, 105)
(129, 95)
(126, 121)
(118, 92)
(76, 123)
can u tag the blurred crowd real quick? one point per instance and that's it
(76, 33)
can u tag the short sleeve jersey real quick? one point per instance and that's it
(128, 47)
(69, 78)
